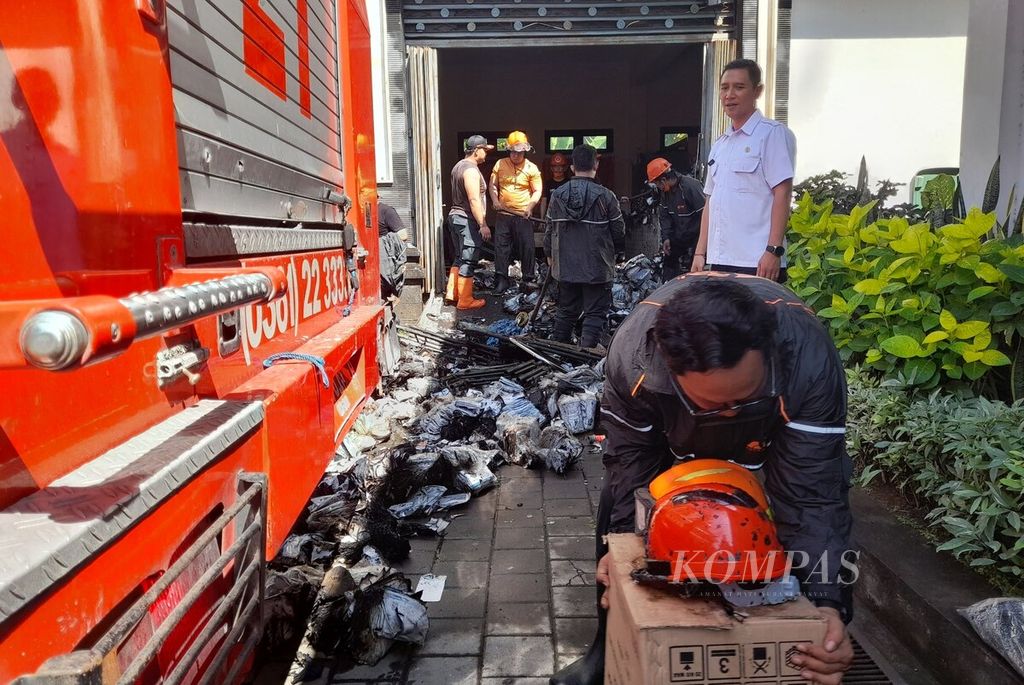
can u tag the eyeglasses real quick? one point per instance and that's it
(733, 407)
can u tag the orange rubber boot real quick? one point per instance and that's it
(451, 293)
(465, 290)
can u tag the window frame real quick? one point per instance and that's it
(692, 133)
(578, 135)
(499, 139)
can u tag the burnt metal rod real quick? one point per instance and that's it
(530, 352)
(412, 330)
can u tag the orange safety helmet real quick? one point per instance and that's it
(701, 471)
(717, 532)
(559, 159)
(656, 167)
(518, 142)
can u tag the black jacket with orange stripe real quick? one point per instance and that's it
(800, 445)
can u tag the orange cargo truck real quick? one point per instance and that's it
(189, 318)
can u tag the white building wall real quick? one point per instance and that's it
(879, 78)
(993, 106)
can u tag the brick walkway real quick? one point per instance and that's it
(519, 601)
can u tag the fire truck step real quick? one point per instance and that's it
(52, 531)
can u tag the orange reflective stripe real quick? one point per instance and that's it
(775, 301)
(782, 408)
(636, 388)
(656, 304)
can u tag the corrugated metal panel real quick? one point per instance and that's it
(399, 193)
(257, 104)
(748, 29)
(785, 22)
(446, 19)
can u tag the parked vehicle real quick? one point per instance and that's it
(189, 318)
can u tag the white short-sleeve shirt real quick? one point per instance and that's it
(743, 167)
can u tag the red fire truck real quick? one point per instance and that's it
(189, 318)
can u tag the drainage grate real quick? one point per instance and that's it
(864, 670)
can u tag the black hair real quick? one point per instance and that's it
(584, 158)
(750, 65)
(711, 324)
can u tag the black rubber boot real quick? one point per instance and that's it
(589, 668)
(501, 284)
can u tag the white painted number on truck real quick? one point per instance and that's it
(316, 284)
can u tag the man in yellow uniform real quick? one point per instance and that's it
(515, 190)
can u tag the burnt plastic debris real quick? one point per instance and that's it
(384, 533)
(306, 549)
(512, 304)
(558, 447)
(473, 473)
(1000, 623)
(422, 502)
(361, 611)
(458, 420)
(634, 281)
(288, 600)
(578, 411)
(427, 500)
(503, 327)
(518, 436)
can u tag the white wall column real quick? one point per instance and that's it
(993, 107)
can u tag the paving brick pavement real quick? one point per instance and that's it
(519, 599)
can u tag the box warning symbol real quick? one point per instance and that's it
(723, 662)
(787, 650)
(687, 664)
(759, 660)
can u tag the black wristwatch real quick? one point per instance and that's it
(777, 250)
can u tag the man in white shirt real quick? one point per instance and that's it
(749, 184)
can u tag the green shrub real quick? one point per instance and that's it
(963, 457)
(920, 306)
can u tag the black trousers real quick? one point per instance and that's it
(593, 301)
(513, 239)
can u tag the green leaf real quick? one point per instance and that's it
(975, 370)
(919, 371)
(969, 329)
(1014, 273)
(994, 358)
(870, 286)
(1005, 309)
(989, 273)
(1013, 518)
(947, 320)
(980, 291)
(982, 562)
(902, 346)
(935, 336)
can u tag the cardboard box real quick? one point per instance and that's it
(657, 638)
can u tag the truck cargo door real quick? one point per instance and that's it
(257, 106)
(426, 162)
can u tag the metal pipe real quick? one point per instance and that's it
(213, 624)
(160, 635)
(80, 330)
(119, 631)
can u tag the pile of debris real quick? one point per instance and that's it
(634, 281)
(456, 410)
